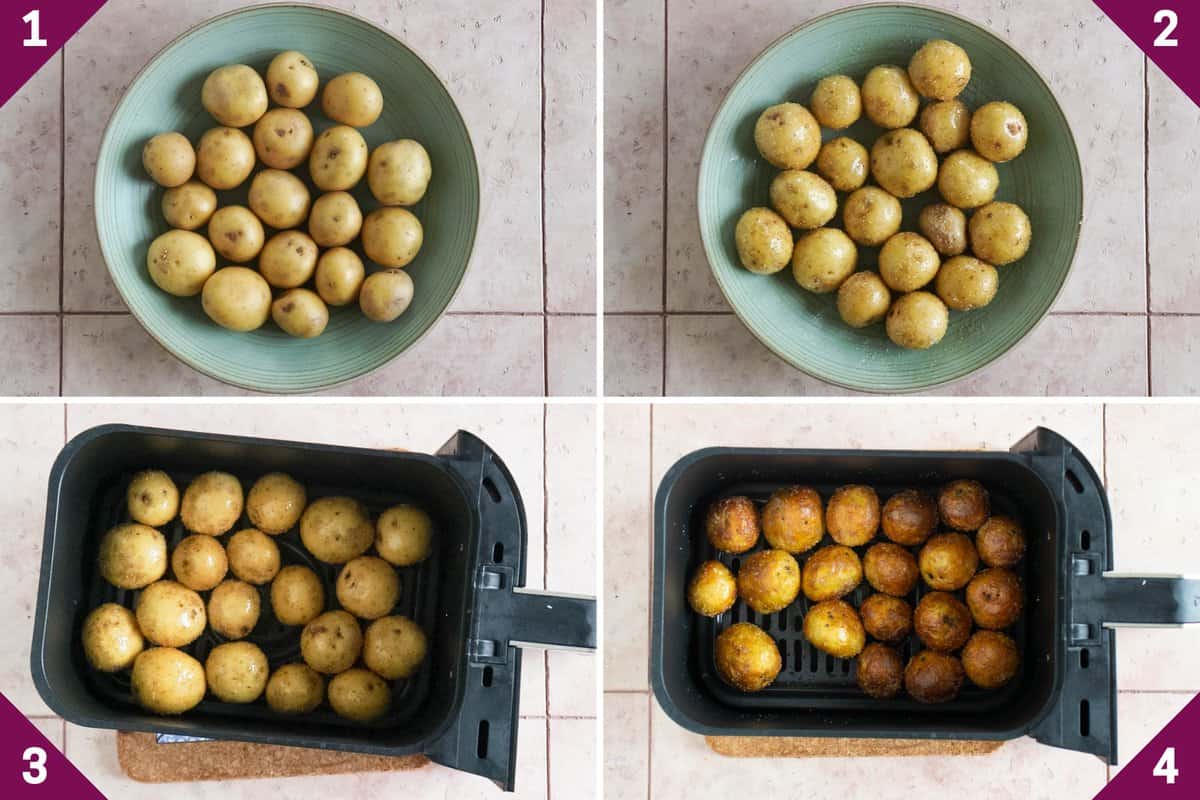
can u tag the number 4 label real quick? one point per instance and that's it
(34, 18)
(1165, 768)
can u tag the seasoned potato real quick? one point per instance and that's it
(292, 80)
(871, 216)
(335, 220)
(180, 262)
(368, 587)
(392, 237)
(132, 556)
(225, 158)
(889, 98)
(167, 681)
(945, 227)
(903, 163)
(331, 643)
(852, 516)
(169, 159)
(910, 517)
(712, 589)
(940, 69)
(836, 102)
(352, 99)
(199, 562)
(947, 125)
(338, 159)
(803, 199)
(823, 259)
(833, 571)
(887, 618)
(237, 298)
(236, 672)
(297, 596)
(339, 277)
(769, 581)
(948, 561)
(990, 659)
(732, 524)
(764, 241)
(236, 233)
(908, 261)
(833, 626)
(233, 609)
(966, 283)
(253, 556)
(964, 505)
(170, 614)
(967, 181)
(189, 206)
(1000, 541)
(275, 502)
(385, 295)
(890, 569)
(999, 131)
(879, 671)
(793, 519)
(747, 658)
(917, 321)
(111, 638)
(942, 622)
(300, 313)
(360, 695)
(212, 503)
(288, 260)
(404, 535)
(863, 299)
(279, 199)
(295, 689)
(399, 172)
(995, 598)
(152, 498)
(787, 136)
(933, 677)
(283, 138)
(336, 529)
(844, 163)
(394, 647)
(1000, 233)
(235, 95)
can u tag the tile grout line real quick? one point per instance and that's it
(546, 559)
(545, 270)
(1146, 219)
(666, 146)
(62, 221)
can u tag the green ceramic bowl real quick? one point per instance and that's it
(166, 96)
(804, 329)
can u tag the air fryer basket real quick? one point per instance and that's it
(1065, 692)
(461, 708)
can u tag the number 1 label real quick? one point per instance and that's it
(34, 18)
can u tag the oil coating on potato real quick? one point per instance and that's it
(995, 598)
(852, 516)
(890, 569)
(763, 240)
(793, 519)
(297, 596)
(152, 498)
(836, 102)
(879, 671)
(338, 159)
(392, 237)
(1000, 541)
(712, 589)
(111, 638)
(903, 163)
(335, 220)
(189, 206)
(212, 503)
(275, 502)
(167, 681)
(769, 580)
(283, 138)
(288, 259)
(947, 125)
(385, 295)
(236, 672)
(368, 587)
(235, 95)
(907, 262)
(170, 614)
(948, 561)
(940, 69)
(967, 181)
(863, 299)
(339, 277)
(990, 659)
(180, 262)
(966, 283)
(253, 556)
(399, 172)
(352, 99)
(169, 159)
(292, 80)
(404, 535)
(933, 677)
(224, 158)
(336, 529)
(787, 136)
(942, 622)
(871, 216)
(300, 313)
(359, 695)
(823, 259)
(233, 609)
(917, 321)
(945, 227)
(279, 198)
(236, 233)
(732, 524)
(237, 298)
(295, 689)
(331, 643)
(999, 131)
(132, 556)
(889, 98)
(199, 562)
(833, 571)
(887, 618)
(833, 626)
(803, 199)
(844, 163)
(747, 658)
(910, 517)
(394, 647)
(964, 504)
(1000, 233)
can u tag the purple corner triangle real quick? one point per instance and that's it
(1154, 27)
(32, 32)
(32, 767)
(1138, 780)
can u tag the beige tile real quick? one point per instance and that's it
(572, 759)
(29, 355)
(571, 356)
(30, 171)
(633, 356)
(627, 746)
(1174, 160)
(51, 728)
(1139, 719)
(573, 684)
(1173, 355)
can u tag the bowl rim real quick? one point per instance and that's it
(104, 144)
(710, 247)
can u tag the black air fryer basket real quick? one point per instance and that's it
(1065, 693)
(461, 709)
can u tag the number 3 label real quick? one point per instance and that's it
(1165, 768)
(1165, 39)
(35, 757)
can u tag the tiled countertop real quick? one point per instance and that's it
(1126, 320)
(1139, 449)
(556, 750)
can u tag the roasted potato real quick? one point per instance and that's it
(803, 199)
(1000, 541)
(833, 571)
(212, 503)
(763, 240)
(966, 283)
(945, 227)
(283, 138)
(844, 163)
(747, 658)
(275, 503)
(295, 689)
(833, 626)
(793, 519)
(990, 659)
(167, 681)
(879, 671)
(297, 596)
(947, 125)
(907, 262)
(169, 159)
(903, 162)
(152, 498)
(189, 206)
(237, 298)
(964, 504)
(852, 516)
(404, 535)
(292, 80)
(948, 561)
(180, 262)
(942, 622)
(368, 587)
(236, 233)
(233, 609)
(871, 216)
(999, 131)
(887, 618)
(111, 638)
(132, 556)
(836, 102)
(995, 598)
(1000, 233)
(225, 157)
(823, 259)
(352, 99)
(769, 580)
(890, 569)
(732, 524)
(712, 589)
(394, 647)
(336, 529)
(359, 695)
(910, 517)
(787, 136)
(237, 672)
(940, 69)
(235, 95)
(863, 299)
(170, 614)
(253, 556)
(199, 562)
(889, 98)
(967, 181)
(331, 643)
(917, 321)
(933, 677)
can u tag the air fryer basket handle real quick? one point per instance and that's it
(1149, 600)
(557, 622)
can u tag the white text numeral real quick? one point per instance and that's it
(35, 757)
(1172, 19)
(34, 18)
(1165, 768)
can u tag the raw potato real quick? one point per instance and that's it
(360, 695)
(945, 227)
(289, 259)
(732, 524)
(871, 216)
(940, 70)
(236, 672)
(889, 97)
(764, 241)
(967, 181)
(368, 587)
(891, 569)
(335, 220)
(394, 647)
(1000, 541)
(787, 136)
(942, 622)
(910, 517)
(336, 529)
(275, 503)
(794, 519)
(331, 643)
(180, 262)
(253, 556)
(300, 313)
(385, 295)
(236, 233)
(169, 159)
(947, 125)
(964, 505)
(747, 657)
(283, 138)
(235, 95)
(212, 503)
(339, 277)
(237, 298)
(917, 321)
(948, 562)
(338, 159)
(999, 131)
(1000, 233)
(769, 580)
(852, 516)
(279, 198)
(170, 614)
(132, 556)
(887, 618)
(233, 609)
(295, 689)
(404, 535)
(292, 80)
(189, 206)
(833, 571)
(152, 498)
(199, 562)
(908, 261)
(833, 627)
(352, 99)
(933, 677)
(167, 681)
(995, 598)
(966, 283)
(903, 163)
(111, 638)
(879, 671)
(990, 659)
(836, 102)
(844, 163)
(863, 299)
(823, 259)
(399, 173)
(392, 237)
(225, 158)
(803, 199)
(297, 596)
(712, 589)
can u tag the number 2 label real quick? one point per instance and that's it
(1165, 39)
(35, 757)
(1165, 768)
(34, 18)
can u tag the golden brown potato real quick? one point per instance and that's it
(948, 561)
(823, 259)
(852, 517)
(769, 581)
(833, 626)
(732, 524)
(169, 159)
(237, 672)
(368, 587)
(967, 181)
(233, 609)
(224, 158)
(235, 95)
(879, 671)
(917, 321)
(360, 695)
(283, 139)
(392, 237)
(352, 99)
(336, 529)
(964, 505)
(947, 125)
(910, 517)
(385, 295)
(167, 681)
(995, 598)
(295, 689)
(339, 277)
(338, 159)
(833, 571)
(747, 658)
(331, 643)
(1000, 541)
(764, 241)
(712, 589)
(940, 69)
(1000, 233)
(945, 227)
(999, 131)
(836, 102)
(942, 622)
(903, 163)
(863, 299)
(844, 163)
(170, 614)
(111, 638)
(292, 80)
(404, 535)
(887, 618)
(890, 569)
(871, 216)
(152, 498)
(803, 199)
(966, 283)
(889, 98)
(787, 136)
(199, 562)
(279, 199)
(793, 519)
(253, 556)
(132, 556)
(212, 503)
(300, 313)
(180, 262)
(236, 233)
(297, 596)
(990, 659)
(237, 298)
(189, 206)
(336, 220)
(394, 647)
(275, 502)
(933, 677)
(907, 262)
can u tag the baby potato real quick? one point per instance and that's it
(879, 671)
(999, 131)
(233, 609)
(297, 596)
(852, 516)
(111, 638)
(903, 162)
(394, 647)
(887, 618)
(225, 158)
(170, 614)
(889, 98)
(295, 689)
(908, 261)
(910, 517)
(288, 259)
(1000, 233)
(732, 524)
(360, 695)
(392, 237)
(964, 505)
(942, 622)
(945, 227)
(338, 159)
(399, 173)
(212, 503)
(831, 572)
(167, 681)
(169, 159)
(947, 125)
(237, 298)
(836, 102)
(933, 677)
(292, 80)
(764, 242)
(300, 313)
(793, 519)
(948, 561)
(863, 299)
(712, 589)
(385, 295)
(275, 502)
(940, 69)
(335, 220)
(236, 672)
(331, 643)
(368, 587)
(189, 206)
(890, 569)
(769, 581)
(236, 233)
(787, 136)
(823, 259)
(833, 626)
(747, 657)
(253, 556)
(279, 198)
(180, 262)
(404, 535)
(199, 562)
(966, 283)
(283, 138)
(871, 216)
(967, 181)
(1000, 541)
(352, 99)
(340, 275)
(336, 529)
(995, 598)
(235, 95)
(990, 659)
(917, 321)
(152, 498)
(803, 199)
(844, 163)
(132, 556)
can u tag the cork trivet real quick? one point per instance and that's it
(778, 747)
(143, 759)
